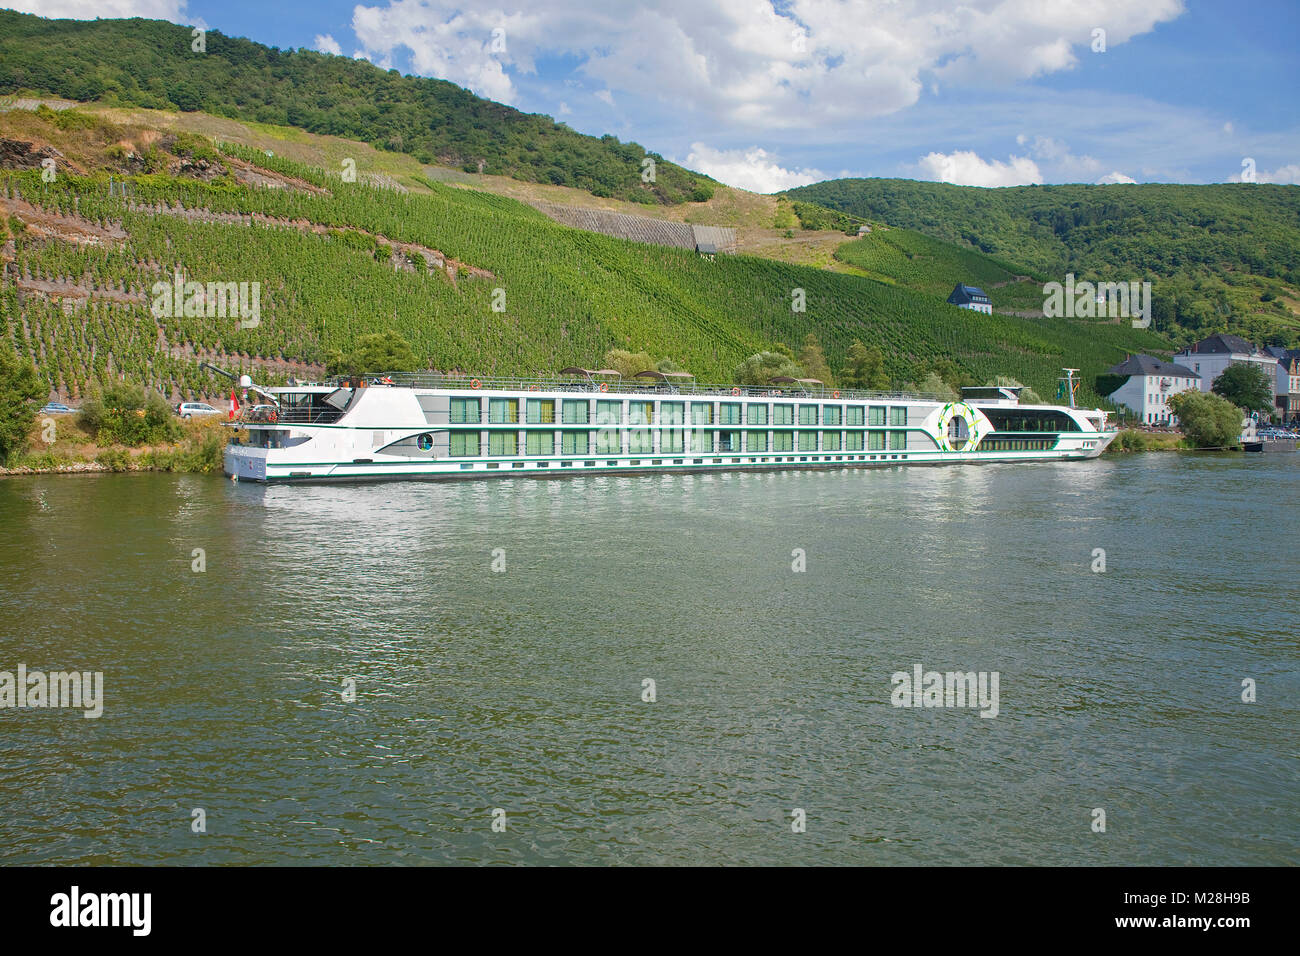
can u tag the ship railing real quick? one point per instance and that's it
(557, 384)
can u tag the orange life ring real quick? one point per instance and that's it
(533, 388)
(604, 386)
(835, 394)
(735, 391)
(475, 383)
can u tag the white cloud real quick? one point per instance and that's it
(751, 169)
(1288, 175)
(966, 168)
(173, 10)
(605, 96)
(1115, 177)
(807, 65)
(327, 44)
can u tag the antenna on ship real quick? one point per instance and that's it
(1068, 385)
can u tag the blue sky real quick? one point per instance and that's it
(768, 95)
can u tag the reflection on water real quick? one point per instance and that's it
(521, 688)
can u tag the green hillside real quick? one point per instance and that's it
(340, 262)
(1220, 257)
(150, 63)
(933, 267)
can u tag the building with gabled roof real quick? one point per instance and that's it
(1209, 358)
(970, 297)
(1148, 384)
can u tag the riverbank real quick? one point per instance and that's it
(1133, 440)
(58, 445)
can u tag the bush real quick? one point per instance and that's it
(114, 459)
(20, 390)
(125, 414)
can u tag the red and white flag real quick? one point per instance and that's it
(234, 406)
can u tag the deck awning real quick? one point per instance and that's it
(662, 376)
(787, 380)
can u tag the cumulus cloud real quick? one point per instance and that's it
(1115, 177)
(804, 65)
(327, 44)
(752, 169)
(1288, 175)
(173, 10)
(966, 168)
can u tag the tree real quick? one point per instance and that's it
(124, 413)
(934, 385)
(866, 367)
(21, 389)
(1208, 420)
(814, 363)
(1246, 385)
(1027, 394)
(380, 352)
(761, 367)
(628, 363)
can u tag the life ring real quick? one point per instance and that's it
(533, 388)
(735, 391)
(835, 394)
(475, 383)
(604, 386)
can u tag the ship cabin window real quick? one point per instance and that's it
(729, 413)
(854, 415)
(757, 414)
(609, 441)
(702, 442)
(898, 415)
(782, 441)
(728, 441)
(672, 413)
(853, 441)
(672, 442)
(541, 443)
(503, 411)
(573, 443)
(501, 444)
(832, 415)
(807, 414)
(807, 441)
(464, 444)
(640, 443)
(756, 441)
(641, 413)
(424, 442)
(609, 412)
(958, 433)
(782, 414)
(701, 413)
(465, 411)
(541, 411)
(897, 441)
(876, 440)
(877, 415)
(1030, 420)
(575, 412)
(830, 441)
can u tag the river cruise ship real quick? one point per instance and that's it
(422, 425)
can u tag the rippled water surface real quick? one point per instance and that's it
(522, 689)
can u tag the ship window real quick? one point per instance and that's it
(463, 444)
(897, 415)
(503, 411)
(897, 440)
(807, 441)
(503, 443)
(573, 443)
(729, 414)
(876, 441)
(830, 441)
(958, 433)
(424, 442)
(672, 413)
(782, 414)
(853, 441)
(854, 415)
(702, 442)
(756, 441)
(609, 441)
(641, 413)
(465, 411)
(831, 415)
(807, 414)
(728, 441)
(640, 443)
(877, 416)
(673, 441)
(541, 443)
(701, 413)
(541, 411)
(609, 412)
(757, 414)
(783, 441)
(575, 412)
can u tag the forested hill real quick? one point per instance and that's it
(150, 63)
(1219, 257)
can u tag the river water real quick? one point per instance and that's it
(417, 673)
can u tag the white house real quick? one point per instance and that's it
(970, 297)
(1209, 357)
(1148, 386)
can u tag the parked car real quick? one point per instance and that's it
(195, 410)
(56, 408)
